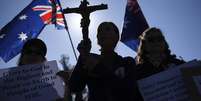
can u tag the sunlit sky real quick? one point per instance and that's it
(180, 20)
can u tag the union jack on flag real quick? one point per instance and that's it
(51, 13)
(28, 24)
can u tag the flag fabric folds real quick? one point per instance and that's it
(134, 24)
(28, 24)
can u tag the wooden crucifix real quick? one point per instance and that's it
(85, 11)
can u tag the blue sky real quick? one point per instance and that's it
(180, 20)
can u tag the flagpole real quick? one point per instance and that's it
(66, 27)
(70, 38)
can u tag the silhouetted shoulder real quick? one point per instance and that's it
(177, 61)
(129, 59)
(94, 55)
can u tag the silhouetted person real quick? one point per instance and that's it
(153, 55)
(33, 52)
(108, 76)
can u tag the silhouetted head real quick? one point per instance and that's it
(33, 52)
(152, 45)
(108, 36)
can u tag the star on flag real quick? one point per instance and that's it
(22, 36)
(2, 36)
(23, 17)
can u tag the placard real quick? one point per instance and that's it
(168, 85)
(31, 83)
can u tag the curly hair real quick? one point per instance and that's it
(141, 53)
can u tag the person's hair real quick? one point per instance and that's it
(105, 26)
(41, 46)
(141, 53)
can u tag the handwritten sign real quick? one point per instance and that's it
(168, 85)
(31, 82)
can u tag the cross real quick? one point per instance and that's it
(85, 11)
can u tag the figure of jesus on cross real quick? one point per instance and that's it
(85, 11)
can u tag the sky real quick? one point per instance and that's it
(180, 21)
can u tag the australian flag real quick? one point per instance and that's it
(28, 24)
(134, 25)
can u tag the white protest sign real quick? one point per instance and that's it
(165, 86)
(192, 79)
(31, 83)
